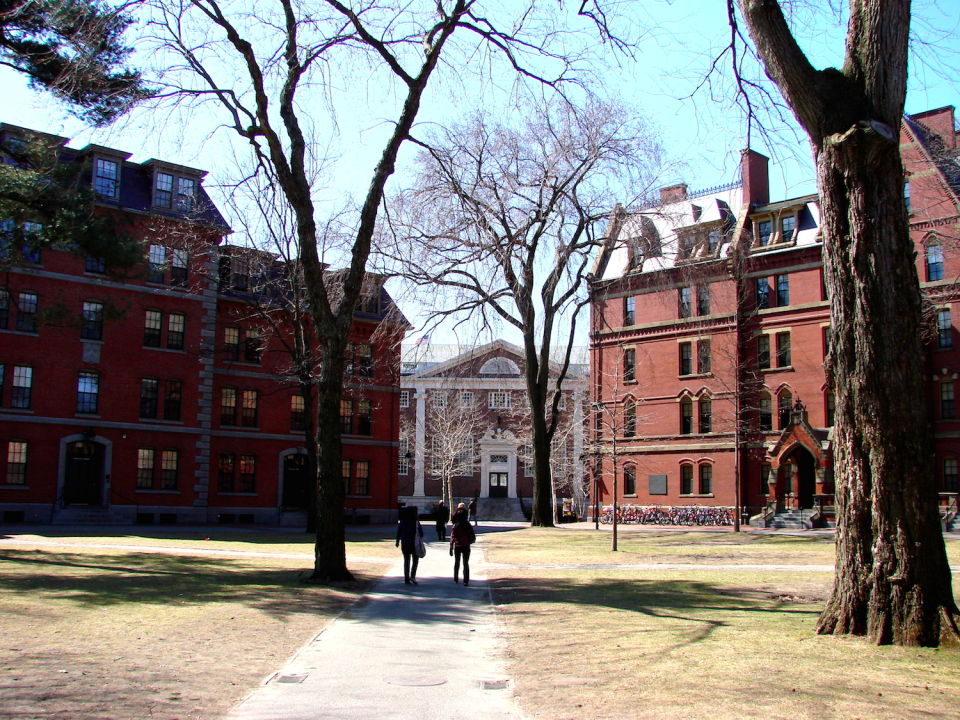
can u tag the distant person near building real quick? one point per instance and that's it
(443, 515)
(472, 509)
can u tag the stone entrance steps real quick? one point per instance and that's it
(500, 510)
(85, 515)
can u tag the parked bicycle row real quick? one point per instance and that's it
(667, 515)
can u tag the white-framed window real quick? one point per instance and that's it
(439, 399)
(404, 398)
(436, 456)
(558, 457)
(186, 194)
(163, 190)
(466, 398)
(499, 400)
(106, 177)
(403, 462)
(465, 458)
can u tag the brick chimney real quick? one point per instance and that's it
(672, 194)
(940, 121)
(755, 174)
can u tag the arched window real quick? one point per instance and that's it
(630, 480)
(766, 413)
(686, 417)
(934, 258)
(686, 479)
(706, 479)
(706, 415)
(629, 417)
(784, 406)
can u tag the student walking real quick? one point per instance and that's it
(472, 509)
(408, 532)
(443, 515)
(461, 538)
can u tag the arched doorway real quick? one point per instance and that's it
(83, 473)
(296, 482)
(801, 482)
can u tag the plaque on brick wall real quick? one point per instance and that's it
(91, 352)
(658, 484)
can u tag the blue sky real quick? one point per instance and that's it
(703, 131)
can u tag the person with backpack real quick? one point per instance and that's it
(409, 531)
(461, 538)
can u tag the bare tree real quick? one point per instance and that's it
(451, 423)
(893, 580)
(259, 69)
(508, 219)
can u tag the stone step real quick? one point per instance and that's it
(500, 510)
(90, 516)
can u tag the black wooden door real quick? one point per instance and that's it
(295, 482)
(498, 484)
(83, 474)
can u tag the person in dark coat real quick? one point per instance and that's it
(407, 530)
(443, 515)
(472, 510)
(461, 538)
(460, 513)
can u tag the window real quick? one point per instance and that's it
(765, 479)
(27, 312)
(686, 479)
(706, 479)
(685, 302)
(785, 407)
(298, 415)
(499, 400)
(248, 474)
(404, 398)
(252, 346)
(629, 308)
(439, 398)
(629, 365)
(713, 241)
(763, 293)
(783, 290)
(179, 261)
(365, 418)
(629, 417)
(163, 190)
(686, 358)
(950, 484)
(764, 230)
(16, 462)
(346, 471)
(706, 415)
(787, 227)
(145, 463)
(687, 243)
(466, 399)
(947, 404)
(831, 409)
(403, 462)
(172, 400)
(169, 466)
(186, 194)
(365, 361)
(96, 265)
(228, 406)
(686, 417)
(363, 477)
(783, 350)
(944, 329)
(934, 259)
(225, 472)
(906, 194)
(156, 263)
(346, 416)
(248, 411)
(88, 392)
(231, 343)
(22, 387)
(4, 309)
(149, 395)
(30, 250)
(2, 375)
(152, 324)
(91, 326)
(763, 352)
(766, 413)
(630, 480)
(703, 300)
(105, 177)
(703, 357)
(827, 337)
(176, 328)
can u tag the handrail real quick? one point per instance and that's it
(136, 504)
(53, 505)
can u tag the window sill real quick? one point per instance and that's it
(88, 416)
(25, 333)
(244, 363)
(630, 495)
(19, 411)
(359, 496)
(944, 349)
(785, 368)
(697, 495)
(158, 421)
(145, 491)
(236, 494)
(163, 349)
(695, 375)
(6, 486)
(92, 341)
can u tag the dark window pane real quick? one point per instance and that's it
(149, 396)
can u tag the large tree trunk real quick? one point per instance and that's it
(893, 580)
(310, 439)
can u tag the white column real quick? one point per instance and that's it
(512, 474)
(420, 442)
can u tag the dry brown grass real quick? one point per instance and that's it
(722, 645)
(106, 633)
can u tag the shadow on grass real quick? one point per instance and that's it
(160, 579)
(702, 604)
(254, 536)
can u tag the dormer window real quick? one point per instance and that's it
(186, 194)
(788, 226)
(764, 230)
(713, 241)
(106, 177)
(163, 192)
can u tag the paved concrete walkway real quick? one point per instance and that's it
(405, 651)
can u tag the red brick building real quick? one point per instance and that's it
(161, 397)
(710, 324)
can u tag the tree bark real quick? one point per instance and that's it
(892, 580)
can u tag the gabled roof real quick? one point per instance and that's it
(422, 355)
